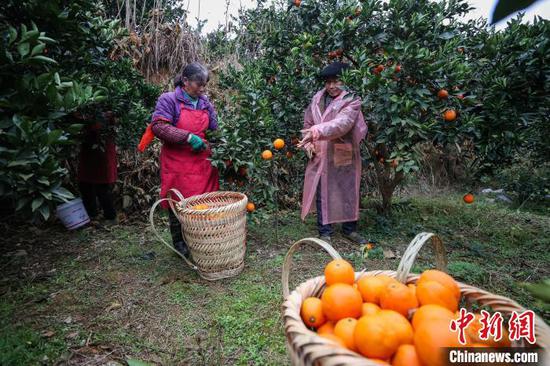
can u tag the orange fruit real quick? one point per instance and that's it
(441, 277)
(380, 362)
(449, 115)
(406, 356)
(431, 292)
(468, 198)
(379, 69)
(443, 94)
(250, 207)
(369, 308)
(297, 3)
(278, 144)
(335, 339)
(344, 330)
(327, 328)
(399, 325)
(339, 271)
(267, 155)
(396, 296)
(472, 334)
(412, 286)
(201, 207)
(397, 68)
(430, 337)
(341, 301)
(431, 312)
(312, 312)
(371, 287)
(374, 337)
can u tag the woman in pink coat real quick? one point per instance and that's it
(333, 130)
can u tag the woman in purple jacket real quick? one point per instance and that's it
(180, 121)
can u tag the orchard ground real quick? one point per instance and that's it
(96, 296)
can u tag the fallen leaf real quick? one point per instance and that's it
(68, 320)
(114, 305)
(72, 335)
(48, 333)
(388, 254)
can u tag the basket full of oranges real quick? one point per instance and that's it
(214, 227)
(386, 317)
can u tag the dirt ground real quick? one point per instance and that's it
(101, 296)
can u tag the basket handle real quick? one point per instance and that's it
(152, 221)
(412, 250)
(288, 258)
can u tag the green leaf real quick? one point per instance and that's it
(75, 128)
(47, 39)
(507, 7)
(45, 211)
(12, 35)
(23, 49)
(17, 163)
(54, 136)
(38, 49)
(44, 59)
(63, 193)
(37, 202)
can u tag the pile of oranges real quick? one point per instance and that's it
(387, 321)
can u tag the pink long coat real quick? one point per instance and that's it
(337, 160)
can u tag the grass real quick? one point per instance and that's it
(92, 296)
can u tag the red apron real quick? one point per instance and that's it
(181, 168)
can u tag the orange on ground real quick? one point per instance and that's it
(371, 287)
(267, 155)
(339, 271)
(406, 356)
(441, 277)
(250, 207)
(278, 144)
(312, 312)
(431, 312)
(335, 339)
(327, 328)
(430, 337)
(341, 301)
(398, 297)
(369, 308)
(468, 198)
(344, 330)
(431, 292)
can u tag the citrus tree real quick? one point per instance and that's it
(409, 63)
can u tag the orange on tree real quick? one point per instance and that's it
(441, 277)
(341, 301)
(431, 312)
(344, 330)
(468, 198)
(312, 312)
(449, 115)
(339, 271)
(327, 328)
(430, 338)
(297, 3)
(371, 287)
(406, 356)
(267, 155)
(250, 207)
(378, 69)
(278, 144)
(432, 292)
(397, 68)
(443, 94)
(398, 297)
(369, 308)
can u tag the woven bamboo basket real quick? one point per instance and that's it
(216, 236)
(305, 347)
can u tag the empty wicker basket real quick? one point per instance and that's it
(305, 347)
(216, 235)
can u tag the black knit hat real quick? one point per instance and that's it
(333, 70)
